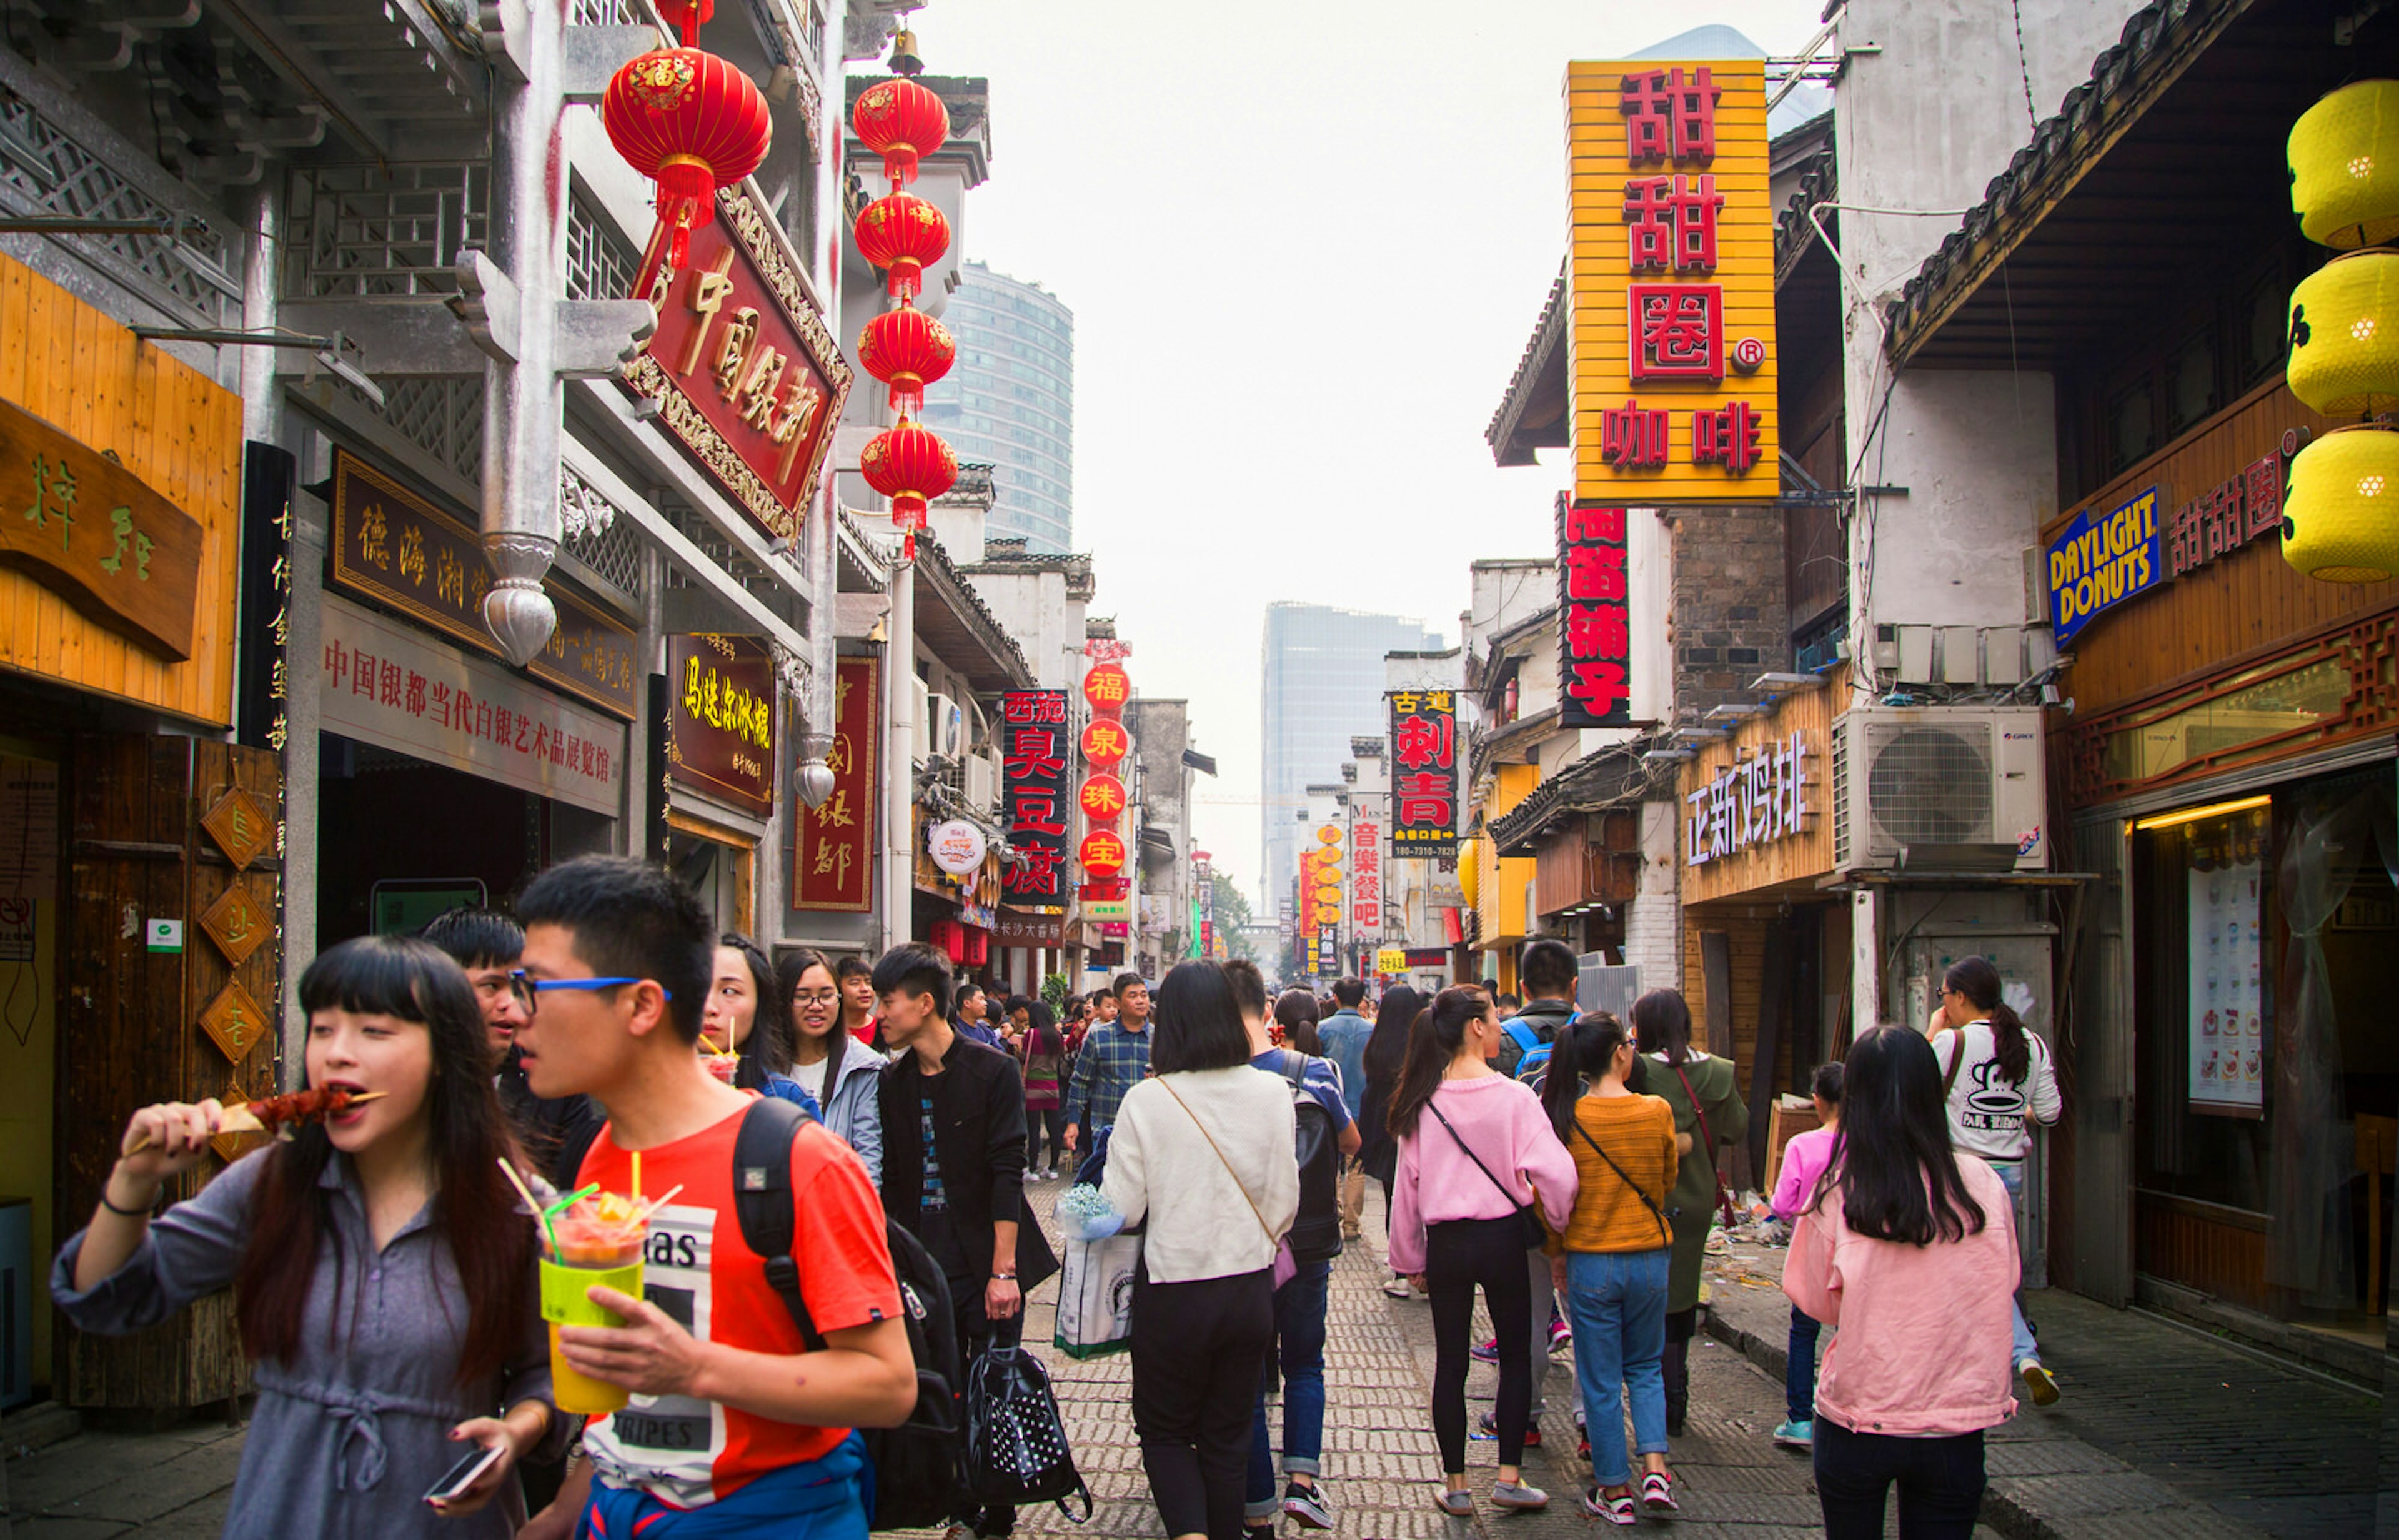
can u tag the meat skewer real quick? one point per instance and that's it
(269, 1113)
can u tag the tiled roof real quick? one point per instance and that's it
(1616, 776)
(1549, 337)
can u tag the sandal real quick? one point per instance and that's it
(1619, 1509)
(1658, 1491)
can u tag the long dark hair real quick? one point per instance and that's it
(1976, 979)
(794, 966)
(1198, 1022)
(474, 1208)
(1387, 1043)
(1433, 1041)
(1898, 1177)
(1041, 1029)
(1662, 1019)
(1583, 1047)
(768, 1049)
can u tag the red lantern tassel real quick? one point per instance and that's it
(686, 195)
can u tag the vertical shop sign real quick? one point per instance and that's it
(2226, 873)
(832, 846)
(268, 475)
(1672, 340)
(1424, 773)
(1365, 876)
(1594, 617)
(1035, 740)
(720, 719)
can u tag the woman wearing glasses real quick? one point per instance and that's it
(748, 1014)
(829, 1065)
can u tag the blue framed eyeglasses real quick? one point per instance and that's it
(529, 990)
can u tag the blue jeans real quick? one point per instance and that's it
(1299, 1330)
(1799, 1375)
(1618, 1303)
(2011, 1176)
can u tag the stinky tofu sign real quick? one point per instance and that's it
(1672, 338)
(745, 373)
(832, 845)
(397, 549)
(720, 719)
(97, 535)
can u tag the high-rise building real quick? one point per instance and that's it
(1010, 400)
(1323, 686)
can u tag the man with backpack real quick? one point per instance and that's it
(1327, 1136)
(954, 1169)
(745, 1418)
(1343, 1036)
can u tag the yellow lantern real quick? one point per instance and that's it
(2344, 331)
(1469, 872)
(2344, 154)
(2340, 507)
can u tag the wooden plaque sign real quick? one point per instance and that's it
(97, 535)
(236, 925)
(241, 826)
(234, 1022)
(720, 719)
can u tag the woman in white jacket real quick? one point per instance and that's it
(1205, 1151)
(831, 1065)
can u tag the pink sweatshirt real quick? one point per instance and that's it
(1925, 1332)
(1804, 1160)
(1435, 1180)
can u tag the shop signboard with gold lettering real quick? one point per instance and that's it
(96, 535)
(395, 547)
(720, 719)
(745, 373)
(832, 846)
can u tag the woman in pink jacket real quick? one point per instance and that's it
(1474, 1150)
(1908, 1249)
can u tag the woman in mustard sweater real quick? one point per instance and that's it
(1611, 1261)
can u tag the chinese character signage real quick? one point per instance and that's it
(832, 846)
(1365, 876)
(720, 719)
(745, 373)
(95, 535)
(383, 681)
(268, 475)
(1672, 336)
(1753, 801)
(399, 549)
(1424, 773)
(1036, 742)
(1594, 618)
(2232, 513)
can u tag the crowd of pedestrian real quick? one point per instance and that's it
(395, 1260)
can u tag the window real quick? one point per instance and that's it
(2190, 382)
(2132, 426)
(2265, 331)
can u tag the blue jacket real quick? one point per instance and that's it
(1343, 1036)
(851, 1111)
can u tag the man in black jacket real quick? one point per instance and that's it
(954, 1166)
(555, 1131)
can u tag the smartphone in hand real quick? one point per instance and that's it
(465, 1474)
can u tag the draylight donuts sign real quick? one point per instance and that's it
(2100, 561)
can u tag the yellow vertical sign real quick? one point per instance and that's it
(1670, 350)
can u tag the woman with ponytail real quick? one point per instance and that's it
(1610, 1261)
(1474, 1154)
(1998, 1082)
(1709, 1113)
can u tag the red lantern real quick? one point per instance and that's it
(902, 122)
(912, 467)
(907, 350)
(1103, 799)
(1105, 742)
(690, 122)
(1103, 853)
(899, 235)
(1108, 687)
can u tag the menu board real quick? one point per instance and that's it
(2228, 982)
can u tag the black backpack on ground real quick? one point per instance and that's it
(920, 1481)
(1016, 1444)
(1316, 1233)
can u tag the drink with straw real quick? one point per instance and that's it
(588, 1237)
(724, 1066)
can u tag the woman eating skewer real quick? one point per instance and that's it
(386, 1343)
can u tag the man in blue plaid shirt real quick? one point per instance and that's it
(1115, 1059)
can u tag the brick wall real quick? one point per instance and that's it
(1731, 621)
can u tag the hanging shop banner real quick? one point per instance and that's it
(955, 845)
(96, 535)
(2227, 1005)
(1036, 741)
(2101, 559)
(745, 375)
(1594, 617)
(1672, 282)
(1424, 773)
(832, 845)
(383, 681)
(720, 719)
(394, 547)
(262, 719)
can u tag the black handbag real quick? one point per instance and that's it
(1529, 1215)
(1016, 1445)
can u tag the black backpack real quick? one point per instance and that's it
(1316, 1233)
(920, 1481)
(1017, 1446)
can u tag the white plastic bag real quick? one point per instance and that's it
(1095, 1295)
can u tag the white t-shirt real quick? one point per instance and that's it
(1988, 1115)
(811, 1078)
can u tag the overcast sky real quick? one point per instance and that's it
(1305, 246)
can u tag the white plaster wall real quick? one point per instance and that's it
(1504, 592)
(1653, 925)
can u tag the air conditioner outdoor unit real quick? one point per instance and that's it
(921, 737)
(949, 726)
(1937, 776)
(983, 782)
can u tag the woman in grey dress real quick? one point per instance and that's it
(386, 1289)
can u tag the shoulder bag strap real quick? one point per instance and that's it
(1716, 1168)
(1471, 1156)
(1655, 1212)
(1950, 1078)
(1255, 1213)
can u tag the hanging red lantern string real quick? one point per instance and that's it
(912, 467)
(902, 234)
(902, 122)
(907, 350)
(690, 122)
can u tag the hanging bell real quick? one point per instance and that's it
(905, 58)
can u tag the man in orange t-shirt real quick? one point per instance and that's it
(734, 1426)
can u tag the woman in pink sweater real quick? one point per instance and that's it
(1475, 1150)
(1907, 1248)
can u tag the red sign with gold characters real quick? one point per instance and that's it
(745, 373)
(1424, 773)
(1594, 617)
(1105, 742)
(1672, 288)
(1102, 800)
(833, 846)
(1034, 738)
(1108, 687)
(1103, 853)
